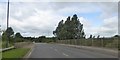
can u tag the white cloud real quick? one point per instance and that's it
(108, 28)
(40, 23)
(34, 19)
(73, 9)
(18, 14)
(64, 0)
(87, 26)
(85, 22)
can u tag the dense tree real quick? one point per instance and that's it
(42, 37)
(93, 36)
(67, 27)
(58, 31)
(71, 29)
(18, 35)
(7, 34)
(90, 36)
(76, 28)
(117, 36)
(98, 36)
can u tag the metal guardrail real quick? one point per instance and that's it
(6, 48)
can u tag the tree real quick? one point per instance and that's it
(8, 36)
(67, 27)
(58, 30)
(18, 35)
(93, 36)
(71, 29)
(41, 38)
(90, 36)
(9, 32)
(116, 35)
(98, 36)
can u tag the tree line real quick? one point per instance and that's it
(9, 36)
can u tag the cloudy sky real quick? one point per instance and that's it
(41, 18)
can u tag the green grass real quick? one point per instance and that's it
(15, 53)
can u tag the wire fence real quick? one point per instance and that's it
(95, 42)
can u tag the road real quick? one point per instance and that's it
(44, 50)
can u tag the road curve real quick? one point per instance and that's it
(44, 50)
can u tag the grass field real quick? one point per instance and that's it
(15, 53)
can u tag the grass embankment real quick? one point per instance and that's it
(15, 53)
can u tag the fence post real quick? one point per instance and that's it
(102, 42)
(92, 41)
(85, 43)
(73, 42)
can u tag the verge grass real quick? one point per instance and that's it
(15, 53)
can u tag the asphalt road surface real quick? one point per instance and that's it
(44, 50)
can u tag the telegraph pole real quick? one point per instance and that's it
(8, 15)
(7, 42)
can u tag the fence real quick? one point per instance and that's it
(101, 42)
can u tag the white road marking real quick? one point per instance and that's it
(30, 52)
(65, 54)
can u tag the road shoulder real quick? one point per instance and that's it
(31, 46)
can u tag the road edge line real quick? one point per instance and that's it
(29, 52)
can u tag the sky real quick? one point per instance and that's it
(33, 18)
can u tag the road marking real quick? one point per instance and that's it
(65, 54)
(30, 52)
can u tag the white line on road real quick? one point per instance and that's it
(65, 54)
(30, 52)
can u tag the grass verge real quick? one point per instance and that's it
(14, 53)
